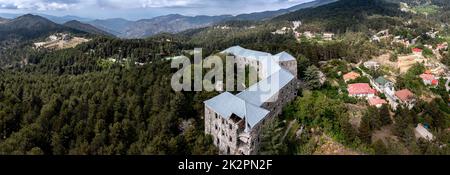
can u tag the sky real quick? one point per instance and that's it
(141, 9)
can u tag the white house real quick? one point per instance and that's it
(328, 36)
(422, 132)
(372, 65)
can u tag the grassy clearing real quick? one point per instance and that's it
(426, 9)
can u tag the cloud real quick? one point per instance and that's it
(39, 5)
(130, 4)
(43, 5)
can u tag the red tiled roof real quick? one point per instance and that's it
(360, 88)
(404, 95)
(428, 77)
(435, 82)
(351, 76)
(442, 46)
(377, 101)
(417, 50)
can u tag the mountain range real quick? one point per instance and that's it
(28, 27)
(3, 20)
(74, 24)
(172, 23)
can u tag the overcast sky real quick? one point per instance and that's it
(137, 9)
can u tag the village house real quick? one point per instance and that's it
(281, 31)
(443, 46)
(406, 98)
(235, 120)
(432, 34)
(328, 36)
(375, 38)
(296, 24)
(308, 34)
(382, 85)
(377, 102)
(385, 86)
(380, 35)
(361, 90)
(224, 27)
(400, 40)
(429, 79)
(417, 51)
(372, 65)
(422, 132)
(351, 76)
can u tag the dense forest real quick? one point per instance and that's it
(66, 103)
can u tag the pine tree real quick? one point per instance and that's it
(272, 140)
(312, 77)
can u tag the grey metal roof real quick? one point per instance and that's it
(267, 88)
(246, 53)
(247, 104)
(227, 104)
(284, 56)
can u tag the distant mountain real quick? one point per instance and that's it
(3, 20)
(170, 24)
(30, 27)
(344, 14)
(175, 23)
(64, 19)
(116, 26)
(74, 24)
(271, 14)
(55, 19)
(10, 15)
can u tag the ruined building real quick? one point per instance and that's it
(235, 121)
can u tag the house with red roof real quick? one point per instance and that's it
(351, 76)
(429, 79)
(417, 51)
(443, 46)
(377, 102)
(361, 90)
(406, 98)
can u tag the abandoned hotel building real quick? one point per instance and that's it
(235, 121)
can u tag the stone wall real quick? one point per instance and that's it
(225, 132)
(291, 66)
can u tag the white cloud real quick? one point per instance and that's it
(144, 3)
(39, 5)
(43, 5)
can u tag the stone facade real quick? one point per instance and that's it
(229, 135)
